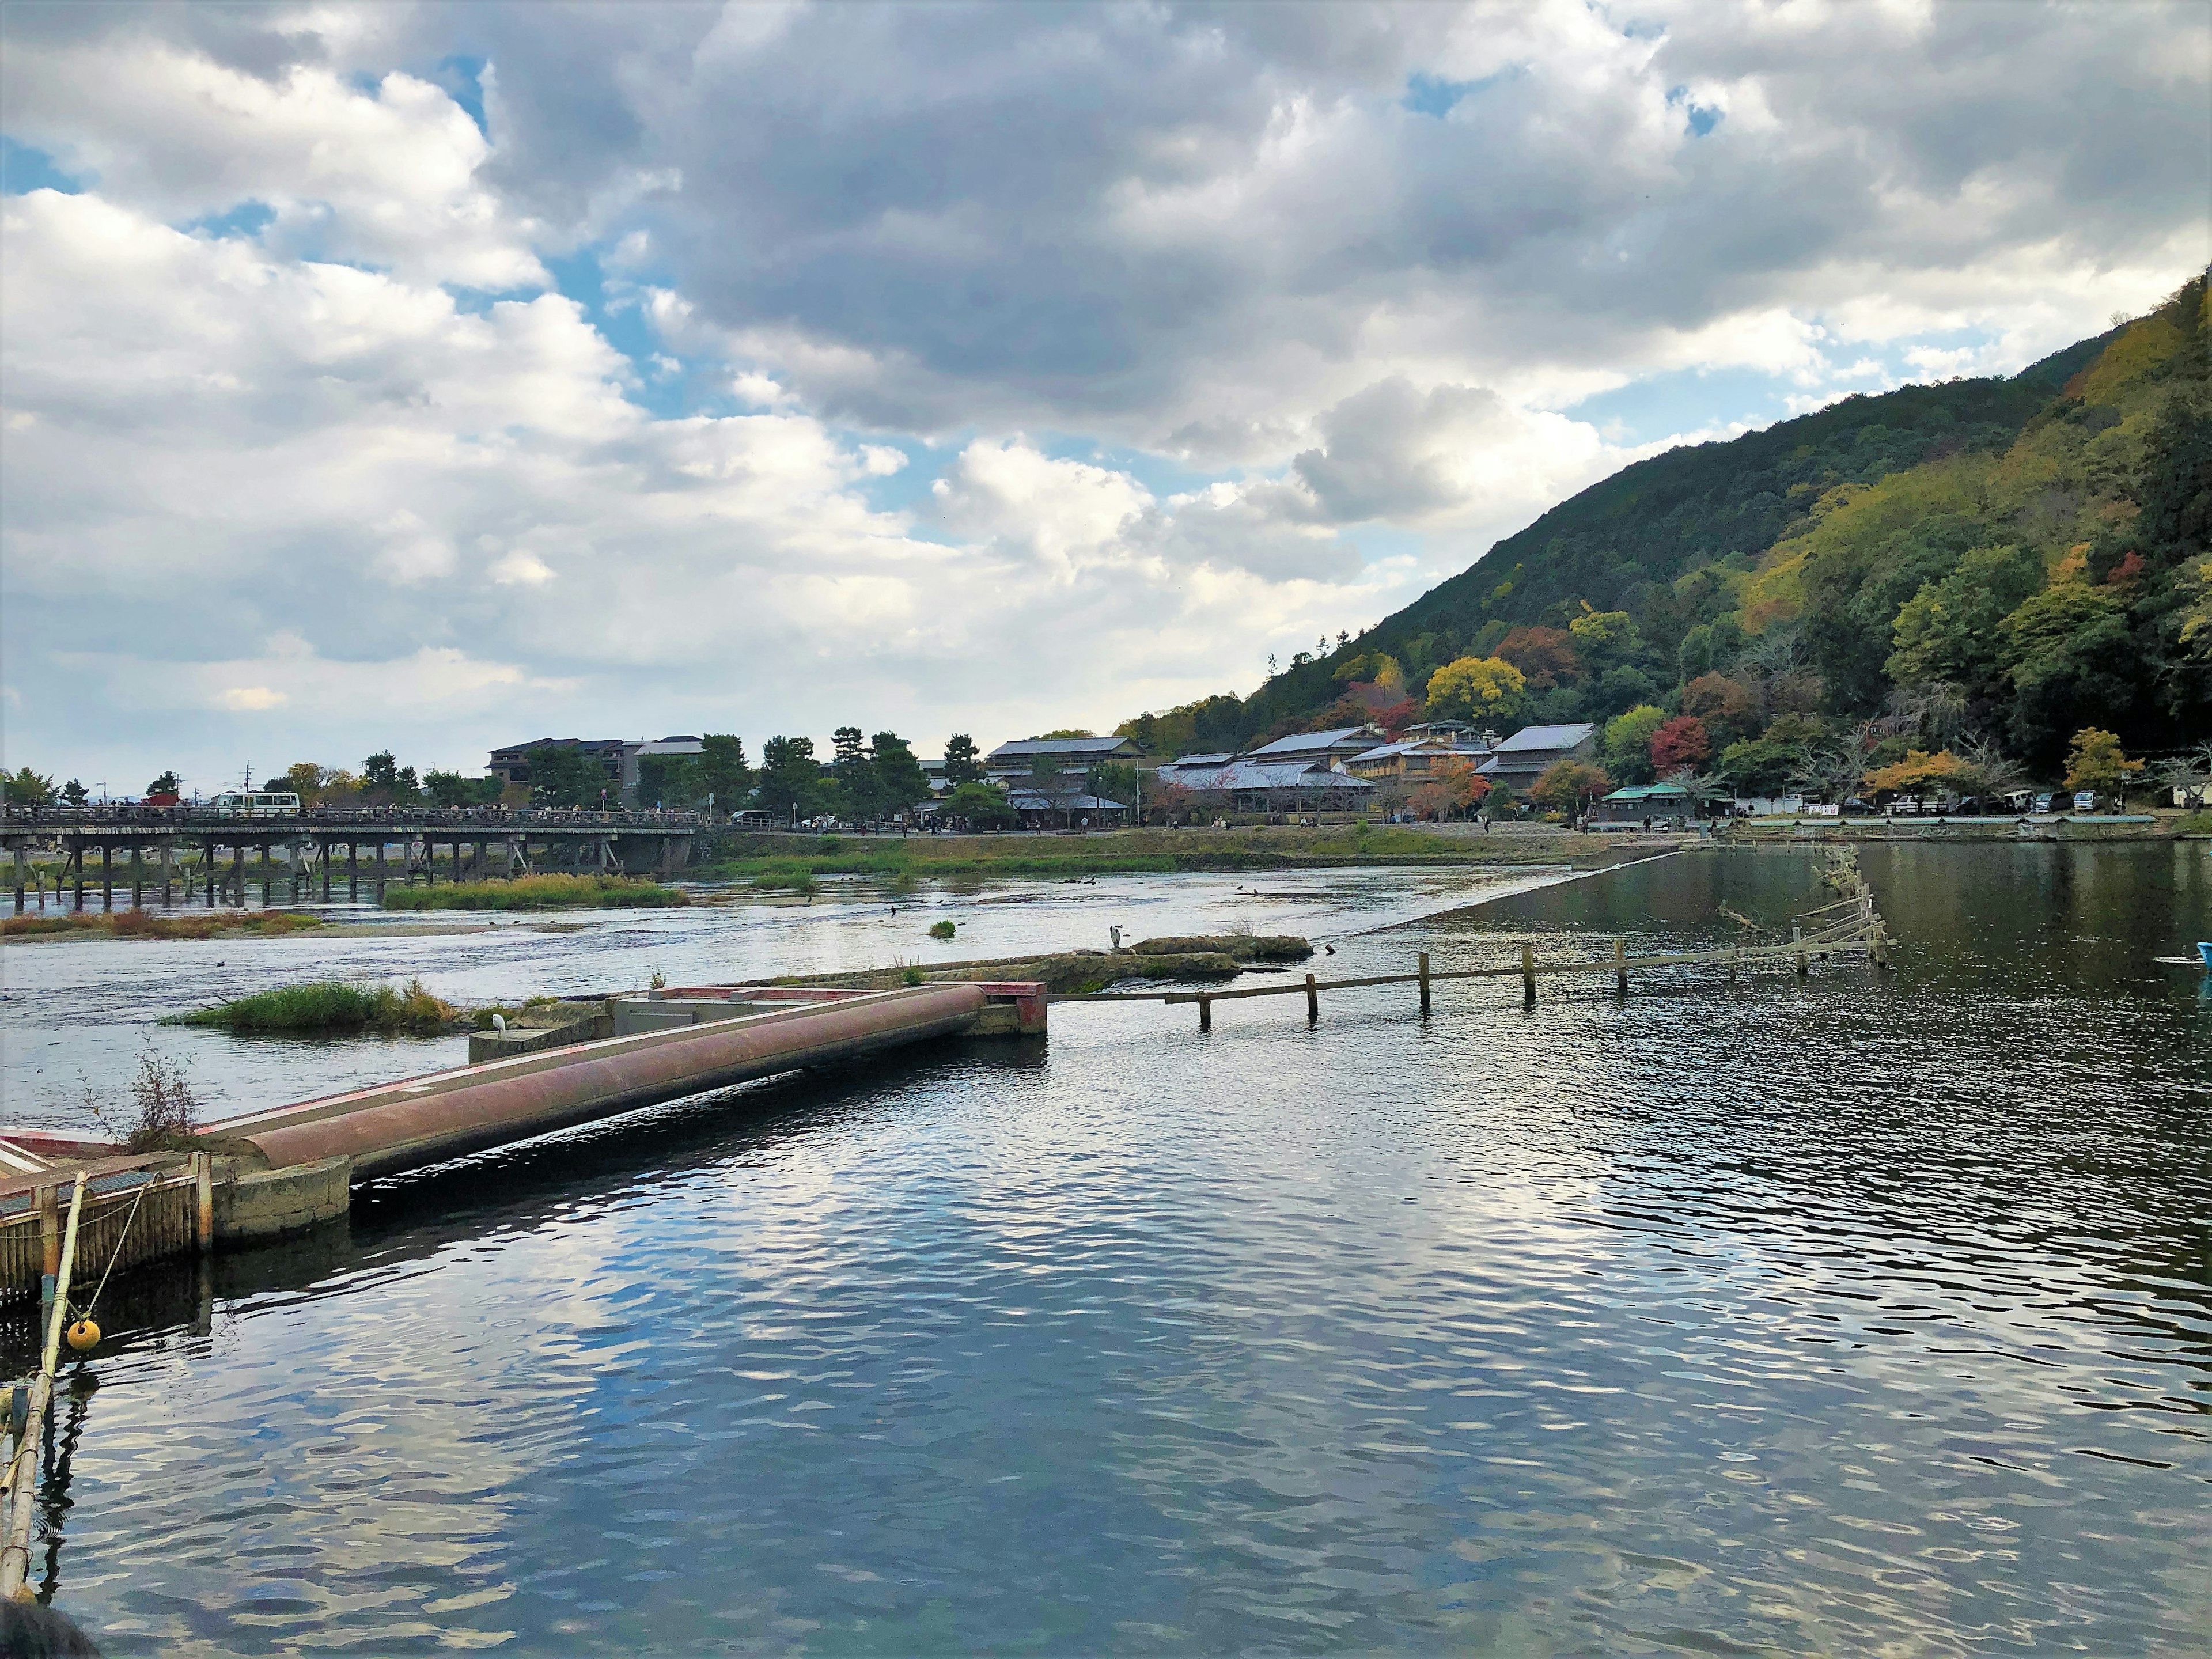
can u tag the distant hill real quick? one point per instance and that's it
(2006, 560)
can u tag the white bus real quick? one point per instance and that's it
(256, 804)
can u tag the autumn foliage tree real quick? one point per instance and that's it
(2096, 761)
(1476, 689)
(1545, 656)
(1681, 742)
(1920, 770)
(1568, 786)
(1724, 706)
(1453, 787)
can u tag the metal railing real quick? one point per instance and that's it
(489, 819)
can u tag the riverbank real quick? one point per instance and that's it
(774, 860)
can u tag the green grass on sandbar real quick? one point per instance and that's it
(552, 892)
(328, 1006)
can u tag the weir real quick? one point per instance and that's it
(404, 1126)
(292, 1167)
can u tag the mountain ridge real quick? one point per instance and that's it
(1797, 554)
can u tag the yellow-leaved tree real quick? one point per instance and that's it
(1476, 689)
(2097, 762)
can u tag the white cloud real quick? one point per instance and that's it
(521, 569)
(251, 698)
(386, 176)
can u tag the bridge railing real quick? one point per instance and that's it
(490, 820)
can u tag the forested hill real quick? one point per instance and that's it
(2011, 558)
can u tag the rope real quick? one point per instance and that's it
(115, 1254)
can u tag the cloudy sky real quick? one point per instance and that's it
(438, 376)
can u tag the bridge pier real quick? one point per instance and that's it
(76, 858)
(353, 872)
(168, 867)
(19, 862)
(137, 877)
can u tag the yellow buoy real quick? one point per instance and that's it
(84, 1336)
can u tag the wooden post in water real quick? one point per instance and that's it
(77, 857)
(168, 866)
(1797, 937)
(1204, 1012)
(238, 873)
(1527, 975)
(107, 878)
(19, 862)
(204, 1188)
(1313, 1002)
(21, 1485)
(49, 1245)
(1425, 981)
(209, 849)
(137, 877)
(353, 871)
(1621, 967)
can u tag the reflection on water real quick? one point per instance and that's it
(75, 1014)
(1840, 1315)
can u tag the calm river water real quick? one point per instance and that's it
(1832, 1317)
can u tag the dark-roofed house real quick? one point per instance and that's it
(1253, 785)
(617, 757)
(1191, 766)
(1664, 805)
(1519, 760)
(1414, 760)
(512, 764)
(1021, 758)
(1327, 747)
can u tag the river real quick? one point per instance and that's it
(1845, 1315)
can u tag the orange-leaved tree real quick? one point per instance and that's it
(1453, 787)
(1921, 770)
(1568, 786)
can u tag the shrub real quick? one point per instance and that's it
(165, 1111)
(942, 930)
(328, 1006)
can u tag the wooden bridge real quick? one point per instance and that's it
(1849, 926)
(324, 846)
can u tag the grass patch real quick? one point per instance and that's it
(556, 892)
(2194, 823)
(328, 1007)
(144, 924)
(942, 930)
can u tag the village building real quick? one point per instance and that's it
(1042, 810)
(1025, 758)
(1413, 761)
(1645, 805)
(1330, 748)
(1249, 784)
(617, 757)
(1518, 761)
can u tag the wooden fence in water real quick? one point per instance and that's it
(1857, 930)
(128, 1218)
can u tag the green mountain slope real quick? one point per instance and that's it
(2000, 560)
